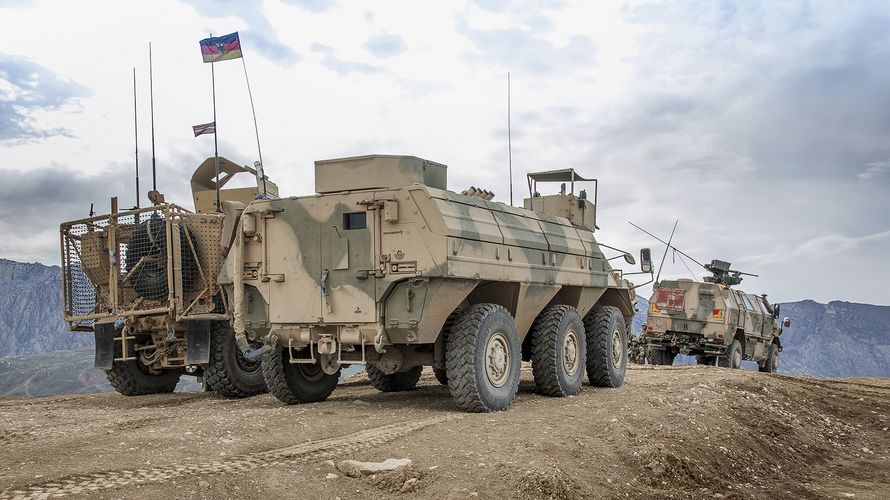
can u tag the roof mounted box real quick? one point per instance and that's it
(377, 172)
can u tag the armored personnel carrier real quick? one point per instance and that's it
(713, 322)
(145, 282)
(385, 267)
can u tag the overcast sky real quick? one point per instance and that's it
(763, 127)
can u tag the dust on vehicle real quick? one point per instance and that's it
(385, 267)
(713, 322)
(145, 282)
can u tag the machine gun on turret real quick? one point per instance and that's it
(722, 274)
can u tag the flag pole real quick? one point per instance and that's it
(136, 135)
(253, 110)
(215, 126)
(151, 94)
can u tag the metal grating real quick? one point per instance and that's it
(161, 259)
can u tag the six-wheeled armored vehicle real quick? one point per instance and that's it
(385, 267)
(713, 322)
(145, 282)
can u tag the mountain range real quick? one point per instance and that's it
(838, 339)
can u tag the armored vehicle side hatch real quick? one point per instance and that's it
(577, 209)
(204, 185)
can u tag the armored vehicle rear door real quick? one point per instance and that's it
(347, 273)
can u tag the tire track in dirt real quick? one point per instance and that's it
(312, 450)
(318, 449)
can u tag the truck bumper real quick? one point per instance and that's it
(688, 343)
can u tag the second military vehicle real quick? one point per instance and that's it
(145, 282)
(712, 322)
(385, 267)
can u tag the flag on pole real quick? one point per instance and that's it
(221, 48)
(204, 128)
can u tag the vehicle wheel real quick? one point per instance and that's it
(483, 358)
(733, 357)
(135, 378)
(394, 382)
(228, 372)
(662, 357)
(771, 363)
(606, 346)
(441, 375)
(295, 383)
(705, 360)
(558, 351)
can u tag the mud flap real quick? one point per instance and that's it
(198, 341)
(104, 334)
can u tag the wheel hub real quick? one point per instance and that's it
(497, 359)
(617, 348)
(570, 352)
(736, 359)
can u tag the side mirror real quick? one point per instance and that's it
(629, 259)
(776, 310)
(646, 260)
(786, 322)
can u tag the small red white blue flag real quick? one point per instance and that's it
(221, 48)
(204, 128)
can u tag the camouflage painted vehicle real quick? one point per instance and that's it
(385, 267)
(713, 322)
(145, 282)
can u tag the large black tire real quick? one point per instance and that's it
(229, 373)
(441, 373)
(771, 363)
(733, 356)
(149, 245)
(133, 378)
(558, 349)
(606, 346)
(483, 358)
(295, 383)
(705, 360)
(394, 382)
(662, 357)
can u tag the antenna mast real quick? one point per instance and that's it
(666, 248)
(151, 93)
(136, 136)
(509, 141)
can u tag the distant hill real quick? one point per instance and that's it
(31, 311)
(838, 339)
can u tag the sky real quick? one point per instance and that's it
(762, 127)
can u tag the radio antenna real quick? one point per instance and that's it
(666, 248)
(136, 135)
(509, 142)
(667, 243)
(151, 98)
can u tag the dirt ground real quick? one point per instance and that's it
(669, 432)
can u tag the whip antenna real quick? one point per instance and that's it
(509, 142)
(136, 136)
(151, 98)
(666, 248)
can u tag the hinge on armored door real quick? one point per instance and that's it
(325, 292)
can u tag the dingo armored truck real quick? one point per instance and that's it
(713, 322)
(384, 267)
(145, 282)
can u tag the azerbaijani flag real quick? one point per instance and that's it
(221, 48)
